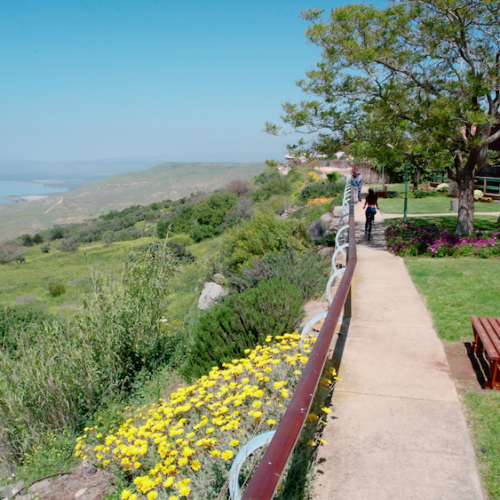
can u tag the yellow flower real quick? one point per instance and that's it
(215, 453)
(326, 410)
(126, 494)
(152, 495)
(271, 421)
(183, 461)
(169, 482)
(137, 465)
(184, 491)
(235, 442)
(195, 465)
(227, 455)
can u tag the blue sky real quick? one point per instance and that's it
(186, 81)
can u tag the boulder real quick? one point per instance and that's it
(326, 219)
(337, 211)
(210, 294)
(218, 278)
(12, 490)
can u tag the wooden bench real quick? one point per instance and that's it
(381, 193)
(487, 338)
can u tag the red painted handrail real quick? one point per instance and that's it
(266, 478)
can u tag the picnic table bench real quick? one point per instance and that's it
(487, 338)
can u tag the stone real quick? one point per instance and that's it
(326, 251)
(79, 493)
(326, 219)
(210, 294)
(12, 490)
(337, 211)
(218, 278)
(40, 487)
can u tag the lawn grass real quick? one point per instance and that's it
(483, 410)
(449, 222)
(455, 289)
(430, 205)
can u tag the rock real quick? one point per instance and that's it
(326, 251)
(218, 278)
(80, 493)
(40, 487)
(12, 490)
(326, 219)
(337, 211)
(210, 294)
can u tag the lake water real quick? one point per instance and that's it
(11, 188)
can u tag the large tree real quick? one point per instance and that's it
(432, 67)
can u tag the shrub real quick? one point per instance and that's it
(108, 237)
(478, 194)
(333, 177)
(66, 367)
(201, 232)
(307, 272)
(183, 239)
(241, 322)
(239, 187)
(130, 233)
(263, 233)
(68, 245)
(37, 239)
(11, 253)
(179, 251)
(242, 211)
(57, 289)
(57, 233)
(279, 185)
(86, 235)
(26, 240)
(321, 189)
(180, 223)
(45, 248)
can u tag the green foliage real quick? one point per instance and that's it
(240, 212)
(211, 211)
(37, 239)
(333, 177)
(319, 189)
(183, 239)
(59, 371)
(57, 233)
(26, 240)
(201, 232)
(263, 233)
(274, 307)
(56, 289)
(68, 245)
(180, 223)
(279, 185)
(11, 253)
(308, 272)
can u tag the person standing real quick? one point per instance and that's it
(360, 182)
(355, 187)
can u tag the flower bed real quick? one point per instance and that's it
(322, 200)
(184, 447)
(409, 239)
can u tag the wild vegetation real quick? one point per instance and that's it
(133, 320)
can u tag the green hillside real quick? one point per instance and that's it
(167, 180)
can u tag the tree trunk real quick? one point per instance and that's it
(465, 221)
(416, 178)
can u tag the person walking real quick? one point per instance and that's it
(360, 182)
(355, 187)
(372, 201)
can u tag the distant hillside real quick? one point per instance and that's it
(71, 174)
(167, 180)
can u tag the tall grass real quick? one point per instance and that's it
(60, 370)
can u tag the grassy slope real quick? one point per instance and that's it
(454, 290)
(168, 180)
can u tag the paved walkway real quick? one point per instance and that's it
(395, 216)
(396, 430)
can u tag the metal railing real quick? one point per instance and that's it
(266, 478)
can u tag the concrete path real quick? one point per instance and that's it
(396, 430)
(396, 216)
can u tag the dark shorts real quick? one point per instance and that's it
(371, 210)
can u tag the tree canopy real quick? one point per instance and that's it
(424, 74)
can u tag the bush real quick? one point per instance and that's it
(37, 239)
(274, 307)
(180, 252)
(69, 245)
(57, 233)
(11, 253)
(66, 367)
(211, 211)
(180, 223)
(86, 235)
(321, 189)
(333, 177)
(308, 272)
(263, 233)
(279, 185)
(201, 232)
(57, 289)
(45, 248)
(183, 239)
(241, 211)
(26, 240)
(239, 187)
